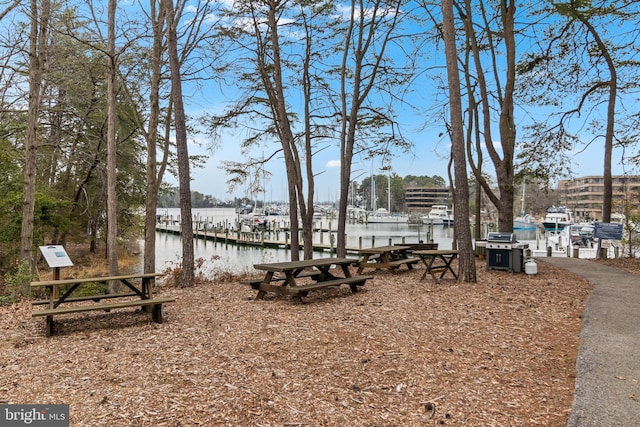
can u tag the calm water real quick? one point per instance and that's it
(238, 259)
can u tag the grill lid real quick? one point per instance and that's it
(501, 237)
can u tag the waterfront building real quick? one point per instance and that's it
(584, 195)
(421, 199)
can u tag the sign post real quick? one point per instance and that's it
(56, 256)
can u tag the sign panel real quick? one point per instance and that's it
(607, 230)
(56, 256)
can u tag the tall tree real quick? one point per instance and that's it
(184, 175)
(467, 270)
(112, 147)
(38, 38)
(481, 36)
(372, 29)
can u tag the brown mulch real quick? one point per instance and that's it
(400, 352)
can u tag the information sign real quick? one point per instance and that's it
(56, 256)
(607, 230)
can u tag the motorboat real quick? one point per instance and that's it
(557, 218)
(438, 215)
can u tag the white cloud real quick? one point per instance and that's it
(333, 164)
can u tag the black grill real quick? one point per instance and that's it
(504, 252)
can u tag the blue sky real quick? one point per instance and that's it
(428, 157)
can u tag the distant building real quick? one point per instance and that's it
(421, 199)
(584, 195)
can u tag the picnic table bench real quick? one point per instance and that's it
(390, 257)
(142, 292)
(287, 280)
(437, 261)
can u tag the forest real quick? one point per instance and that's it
(102, 101)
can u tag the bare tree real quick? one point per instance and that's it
(490, 38)
(371, 30)
(184, 176)
(112, 147)
(467, 270)
(37, 68)
(588, 60)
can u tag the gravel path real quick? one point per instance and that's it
(607, 386)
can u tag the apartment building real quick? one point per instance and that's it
(421, 199)
(584, 195)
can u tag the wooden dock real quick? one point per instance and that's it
(266, 239)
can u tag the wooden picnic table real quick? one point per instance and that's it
(390, 257)
(284, 277)
(139, 288)
(438, 260)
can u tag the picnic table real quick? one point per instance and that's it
(391, 257)
(437, 260)
(139, 288)
(285, 277)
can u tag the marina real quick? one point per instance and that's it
(230, 250)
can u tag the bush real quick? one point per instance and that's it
(17, 283)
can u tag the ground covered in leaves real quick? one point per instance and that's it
(400, 352)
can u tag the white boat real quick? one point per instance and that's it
(574, 239)
(384, 216)
(438, 215)
(557, 218)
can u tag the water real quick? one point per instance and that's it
(240, 259)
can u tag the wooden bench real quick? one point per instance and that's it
(142, 292)
(391, 265)
(255, 283)
(353, 282)
(95, 298)
(154, 303)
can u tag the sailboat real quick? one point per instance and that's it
(524, 221)
(382, 215)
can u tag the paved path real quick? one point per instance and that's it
(608, 366)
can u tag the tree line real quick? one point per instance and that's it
(97, 104)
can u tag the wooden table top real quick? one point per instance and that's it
(383, 249)
(293, 265)
(96, 279)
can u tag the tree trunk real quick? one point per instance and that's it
(112, 150)
(37, 65)
(184, 176)
(150, 219)
(467, 270)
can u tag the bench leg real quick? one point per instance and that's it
(261, 294)
(156, 314)
(49, 326)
